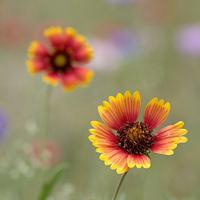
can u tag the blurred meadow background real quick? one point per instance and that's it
(149, 45)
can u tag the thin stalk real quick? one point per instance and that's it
(119, 186)
(47, 109)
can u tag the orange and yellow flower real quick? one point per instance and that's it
(124, 142)
(62, 61)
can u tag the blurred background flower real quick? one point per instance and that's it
(156, 12)
(113, 46)
(188, 39)
(13, 31)
(63, 61)
(44, 153)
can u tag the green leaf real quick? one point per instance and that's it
(50, 184)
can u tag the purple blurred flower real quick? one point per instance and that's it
(3, 123)
(113, 49)
(188, 40)
(126, 41)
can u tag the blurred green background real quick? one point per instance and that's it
(155, 64)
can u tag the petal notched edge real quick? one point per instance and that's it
(156, 113)
(167, 139)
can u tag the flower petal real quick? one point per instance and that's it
(156, 113)
(51, 78)
(35, 66)
(77, 76)
(130, 161)
(102, 135)
(119, 162)
(77, 43)
(166, 139)
(69, 80)
(106, 143)
(120, 109)
(84, 54)
(56, 37)
(138, 161)
(37, 50)
(83, 74)
(132, 106)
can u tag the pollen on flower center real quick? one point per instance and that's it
(135, 138)
(60, 60)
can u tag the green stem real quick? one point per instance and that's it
(47, 109)
(119, 186)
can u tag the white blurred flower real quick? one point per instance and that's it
(31, 127)
(107, 57)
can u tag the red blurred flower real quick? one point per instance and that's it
(62, 62)
(44, 152)
(13, 32)
(156, 11)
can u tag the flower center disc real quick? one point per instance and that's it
(60, 60)
(135, 138)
